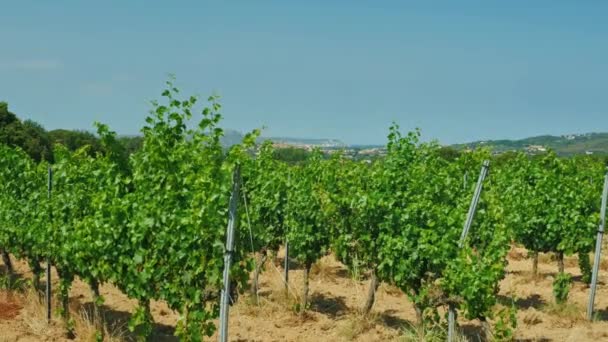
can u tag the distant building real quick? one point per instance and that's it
(536, 148)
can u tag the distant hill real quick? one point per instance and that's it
(590, 143)
(307, 141)
(565, 145)
(232, 137)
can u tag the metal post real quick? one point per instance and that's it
(451, 322)
(286, 267)
(286, 262)
(598, 249)
(48, 262)
(474, 202)
(232, 220)
(465, 231)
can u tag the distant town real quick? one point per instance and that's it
(332, 146)
(570, 144)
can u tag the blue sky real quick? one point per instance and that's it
(460, 70)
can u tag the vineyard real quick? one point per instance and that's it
(153, 224)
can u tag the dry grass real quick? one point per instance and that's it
(603, 264)
(532, 317)
(358, 323)
(547, 258)
(526, 277)
(389, 289)
(81, 322)
(551, 258)
(278, 293)
(515, 254)
(85, 330)
(34, 313)
(274, 300)
(415, 333)
(571, 261)
(275, 318)
(566, 314)
(324, 269)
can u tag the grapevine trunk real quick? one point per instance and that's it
(7, 262)
(535, 264)
(97, 317)
(560, 262)
(371, 294)
(307, 268)
(256, 276)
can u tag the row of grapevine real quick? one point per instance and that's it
(153, 224)
(399, 220)
(553, 206)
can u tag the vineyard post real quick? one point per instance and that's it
(286, 263)
(48, 262)
(232, 217)
(463, 236)
(286, 267)
(598, 249)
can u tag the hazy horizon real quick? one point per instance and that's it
(461, 72)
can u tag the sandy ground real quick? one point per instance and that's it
(336, 298)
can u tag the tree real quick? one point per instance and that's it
(448, 153)
(75, 139)
(29, 135)
(291, 155)
(131, 144)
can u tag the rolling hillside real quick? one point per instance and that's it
(590, 143)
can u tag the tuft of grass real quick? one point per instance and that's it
(272, 301)
(84, 327)
(571, 261)
(81, 323)
(389, 289)
(356, 324)
(566, 312)
(415, 333)
(532, 317)
(603, 264)
(12, 283)
(515, 254)
(527, 276)
(34, 313)
(546, 258)
(278, 294)
(324, 269)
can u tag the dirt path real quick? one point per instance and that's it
(336, 298)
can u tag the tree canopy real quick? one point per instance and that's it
(38, 143)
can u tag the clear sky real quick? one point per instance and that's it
(460, 70)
